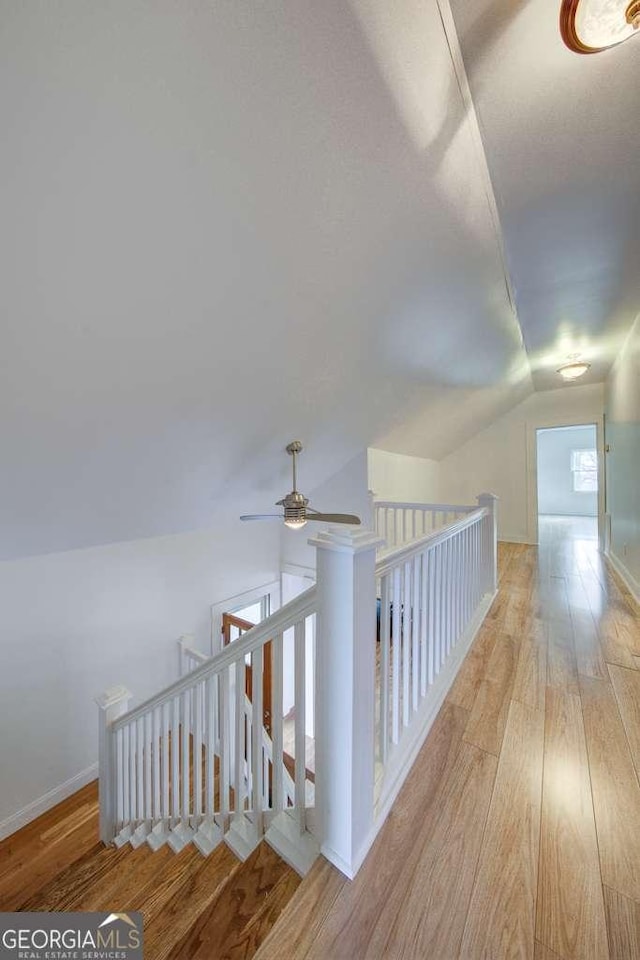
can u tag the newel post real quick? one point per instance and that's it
(112, 704)
(345, 693)
(187, 639)
(490, 501)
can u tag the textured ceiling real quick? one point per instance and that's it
(228, 224)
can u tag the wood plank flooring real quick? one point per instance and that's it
(192, 905)
(517, 833)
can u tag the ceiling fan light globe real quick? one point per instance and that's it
(295, 524)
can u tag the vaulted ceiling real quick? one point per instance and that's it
(228, 224)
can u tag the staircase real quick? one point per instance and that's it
(218, 906)
(197, 765)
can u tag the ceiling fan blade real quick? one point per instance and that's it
(263, 516)
(333, 517)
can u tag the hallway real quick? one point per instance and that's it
(517, 833)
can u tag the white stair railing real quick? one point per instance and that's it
(400, 523)
(433, 593)
(201, 763)
(169, 775)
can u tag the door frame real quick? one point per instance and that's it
(532, 468)
(272, 590)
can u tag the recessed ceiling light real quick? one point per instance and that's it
(573, 368)
(589, 26)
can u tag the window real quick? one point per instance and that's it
(584, 469)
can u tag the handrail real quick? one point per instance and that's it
(392, 558)
(281, 620)
(440, 507)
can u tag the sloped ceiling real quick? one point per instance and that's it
(561, 134)
(225, 225)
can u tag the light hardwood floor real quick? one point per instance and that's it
(517, 833)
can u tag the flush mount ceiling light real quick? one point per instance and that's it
(589, 26)
(573, 368)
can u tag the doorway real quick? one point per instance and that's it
(567, 483)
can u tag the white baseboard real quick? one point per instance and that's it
(19, 819)
(625, 574)
(506, 538)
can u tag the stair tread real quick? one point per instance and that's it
(248, 940)
(142, 869)
(227, 919)
(199, 889)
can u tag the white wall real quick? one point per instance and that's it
(75, 623)
(555, 478)
(502, 460)
(345, 492)
(623, 459)
(393, 476)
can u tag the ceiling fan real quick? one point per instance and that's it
(296, 506)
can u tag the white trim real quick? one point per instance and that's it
(516, 538)
(625, 574)
(238, 602)
(298, 570)
(48, 800)
(396, 774)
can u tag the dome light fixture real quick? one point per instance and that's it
(590, 26)
(573, 368)
(294, 524)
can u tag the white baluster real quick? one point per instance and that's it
(197, 752)
(395, 671)
(424, 611)
(175, 761)
(119, 784)
(133, 778)
(431, 623)
(256, 739)
(148, 802)
(299, 642)
(442, 609)
(276, 722)
(385, 649)
(155, 756)
(126, 770)
(186, 755)
(240, 751)
(415, 631)
(210, 742)
(225, 743)
(449, 595)
(406, 640)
